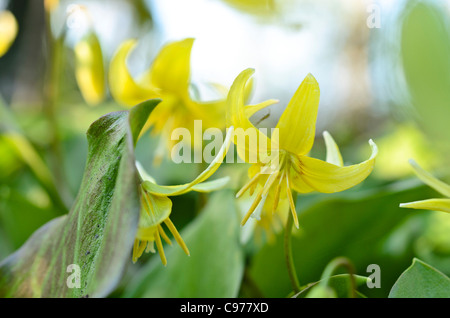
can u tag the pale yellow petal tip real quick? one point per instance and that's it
(310, 79)
(249, 70)
(374, 148)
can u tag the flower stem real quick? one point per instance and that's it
(288, 252)
(55, 55)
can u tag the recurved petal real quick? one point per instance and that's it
(196, 183)
(170, 70)
(123, 87)
(155, 209)
(297, 124)
(8, 31)
(249, 140)
(333, 154)
(250, 110)
(430, 180)
(431, 204)
(329, 178)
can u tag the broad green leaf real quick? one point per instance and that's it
(97, 234)
(339, 284)
(215, 266)
(350, 224)
(421, 280)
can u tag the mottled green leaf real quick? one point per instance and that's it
(421, 280)
(215, 266)
(98, 233)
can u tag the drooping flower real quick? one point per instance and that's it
(8, 31)
(169, 79)
(156, 206)
(290, 142)
(430, 204)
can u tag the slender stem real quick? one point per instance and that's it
(331, 268)
(288, 252)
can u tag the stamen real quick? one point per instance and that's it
(160, 248)
(270, 182)
(163, 235)
(248, 185)
(141, 249)
(252, 189)
(291, 202)
(176, 235)
(253, 207)
(277, 194)
(150, 247)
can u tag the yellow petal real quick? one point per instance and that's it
(123, 87)
(170, 70)
(250, 110)
(333, 154)
(212, 113)
(297, 124)
(8, 31)
(237, 117)
(160, 190)
(431, 204)
(159, 209)
(298, 184)
(426, 177)
(328, 178)
(89, 70)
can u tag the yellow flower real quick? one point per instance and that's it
(430, 204)
(8, 31)
(157, 207)
(89, 69)
(169, 79)
(291, 141)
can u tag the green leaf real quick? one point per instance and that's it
(14, 138)
(339, 284)
(139, 115)
(421, 280)
(97, 234)
(216, 264)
